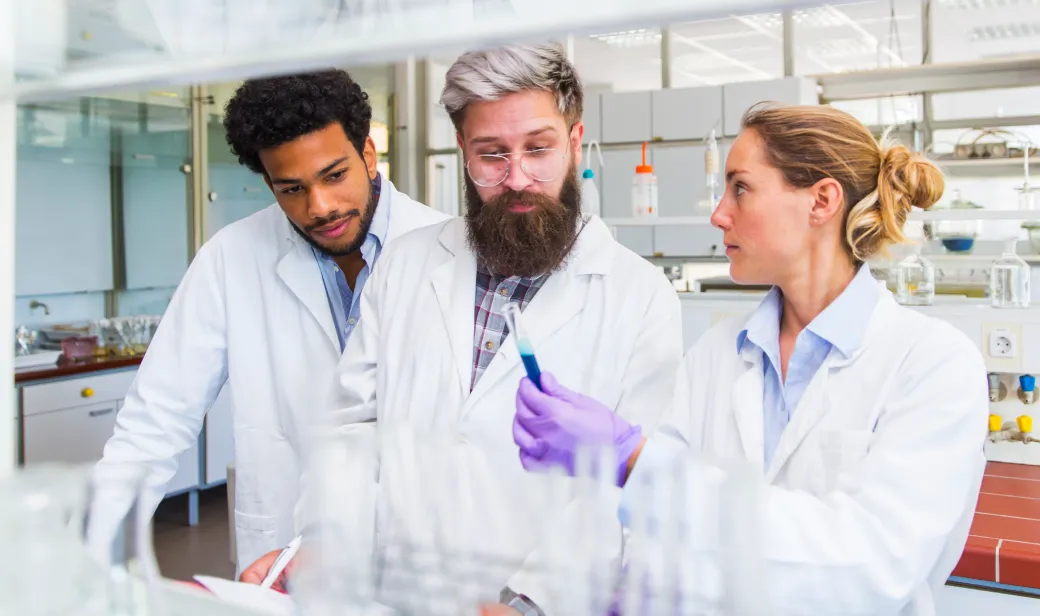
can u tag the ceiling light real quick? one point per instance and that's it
(985, 4)
(630, 38)
(1004, 32)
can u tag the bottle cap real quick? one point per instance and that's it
(587, 174)
(644, 168)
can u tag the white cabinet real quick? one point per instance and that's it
(71, 420)
(74, 435)
(687, 113)
(220, 439)
(626, 117)
(591, 118)
(739, 97)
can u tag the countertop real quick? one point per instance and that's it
(69, 368)
(1003, 548)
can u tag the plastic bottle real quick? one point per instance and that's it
(644, 190)
(590, 203)
(1009, 279)
(916, 281)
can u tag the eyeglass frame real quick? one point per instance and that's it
(508, 157)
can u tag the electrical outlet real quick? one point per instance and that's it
(1003, 343)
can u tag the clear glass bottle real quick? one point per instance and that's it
(1009, 280)
(916, 280)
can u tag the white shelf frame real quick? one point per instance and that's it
(916, 215)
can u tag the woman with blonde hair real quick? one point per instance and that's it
(866, 420)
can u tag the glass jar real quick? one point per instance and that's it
(915, 280)
(1009, 280)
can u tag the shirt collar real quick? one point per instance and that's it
(843, 323)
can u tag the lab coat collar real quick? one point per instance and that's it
(560, 299)
(747, 389)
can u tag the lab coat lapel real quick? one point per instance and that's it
(816, 402)
(747, 408)
(300, 273)
(454, 284)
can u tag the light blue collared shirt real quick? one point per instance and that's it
(342, 299)
(840, 326)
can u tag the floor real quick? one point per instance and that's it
(184, 551)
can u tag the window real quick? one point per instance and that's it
(717, 51)
(619, 61)
(986, 104)
(857, 36)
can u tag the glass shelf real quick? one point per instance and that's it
(67, 47)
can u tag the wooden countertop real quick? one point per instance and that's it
(69, 368)
(1003, 549)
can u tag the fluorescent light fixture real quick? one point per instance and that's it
(630, 38)
(984, 4)
(1004, 32)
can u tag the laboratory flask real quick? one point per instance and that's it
(915, 280)
(117, 532)
(48, 571)
(1009, 279)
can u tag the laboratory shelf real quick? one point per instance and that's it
(985, 167)
(919, 215)
(657, 222)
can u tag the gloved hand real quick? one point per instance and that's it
(550, 426)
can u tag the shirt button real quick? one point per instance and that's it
(503, 291)
(352, 320)
(489, 345)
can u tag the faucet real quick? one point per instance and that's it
(33, 305)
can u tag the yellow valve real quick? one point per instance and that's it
(995, 421)
(1025, 423)
(87, 392)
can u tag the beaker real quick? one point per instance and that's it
(117, 531)
(47, 571)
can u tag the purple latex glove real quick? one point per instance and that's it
(550, 426)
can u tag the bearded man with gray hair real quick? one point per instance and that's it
(434, 355)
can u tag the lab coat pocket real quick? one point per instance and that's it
(841, 452)
(254, 536)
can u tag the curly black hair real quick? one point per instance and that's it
(268, 112)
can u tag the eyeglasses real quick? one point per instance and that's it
(489, 170)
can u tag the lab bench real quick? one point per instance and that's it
(67, 412)
(1003, 549)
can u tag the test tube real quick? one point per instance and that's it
(523, 343)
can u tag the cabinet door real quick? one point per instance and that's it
(626, 117)
(155, 209)
(220, 438)
(64, 218)
(74, 435)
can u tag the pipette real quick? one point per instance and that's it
(523, 344)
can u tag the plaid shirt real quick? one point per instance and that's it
(489, 322)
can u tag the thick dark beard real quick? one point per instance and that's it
(529, 244)
(366, 224)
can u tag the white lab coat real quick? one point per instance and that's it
(607, 325)
(873, 485)
(251, 311)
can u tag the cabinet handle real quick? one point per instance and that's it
(87, 392)
(100, 412)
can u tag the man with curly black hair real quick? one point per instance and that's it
(269, 302)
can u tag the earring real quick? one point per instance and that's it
(813, 221)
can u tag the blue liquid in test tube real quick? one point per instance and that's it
(523, 344)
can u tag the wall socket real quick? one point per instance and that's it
(1002, 347)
